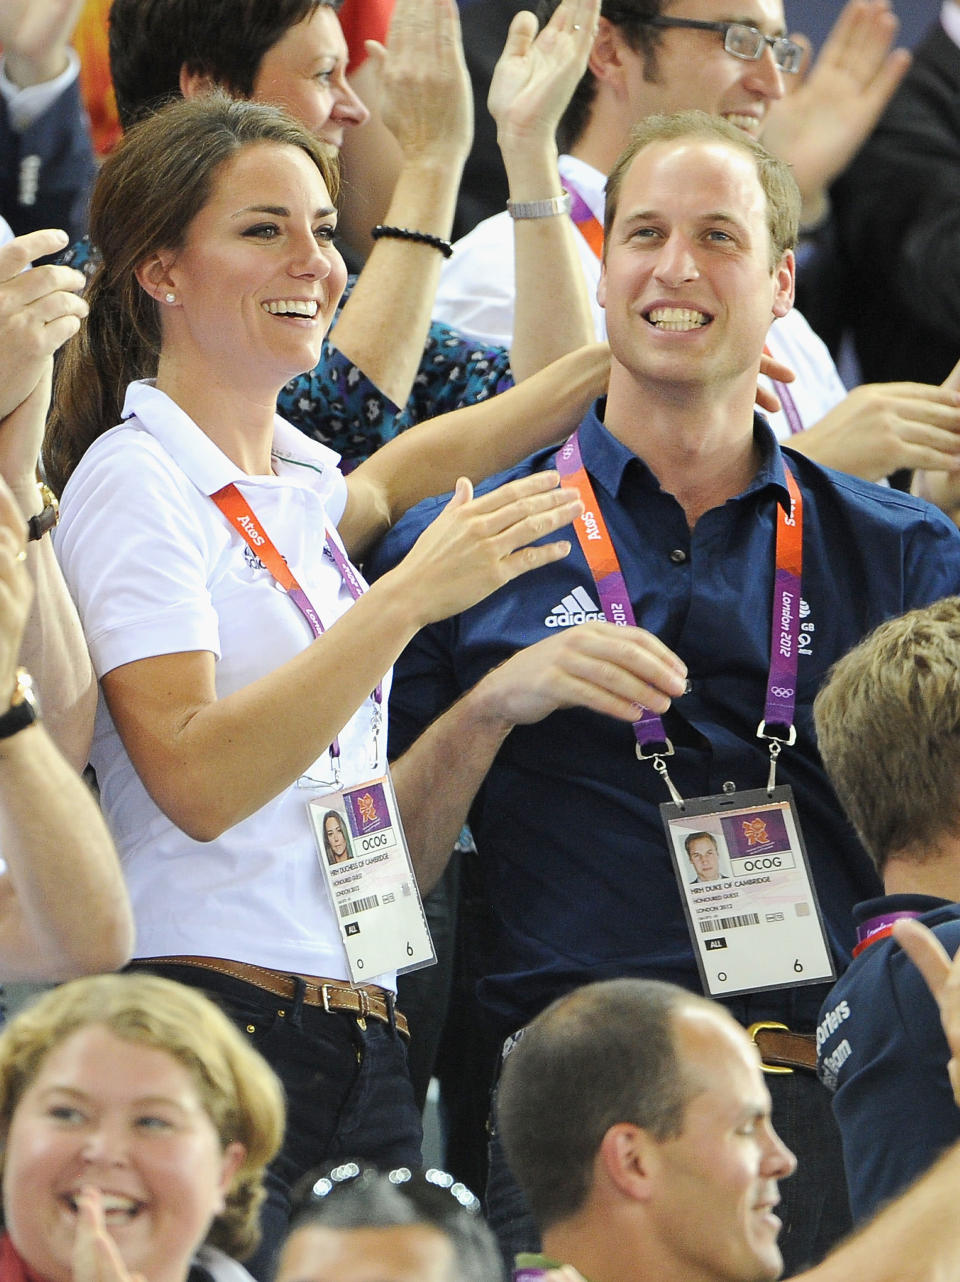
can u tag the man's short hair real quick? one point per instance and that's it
(351, 1195)
(632, 19)
(691, 837)
(776, 178)
(603, 1054)
(888, 729)
(151, 40)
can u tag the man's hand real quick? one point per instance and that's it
(879, 428)
(610, 669)
(35, 35)
(766, 398)
(39, 310)
(16, 590)
(819, 126)
(942, 487)
(425, 96)
(536, 74)
(943, 979)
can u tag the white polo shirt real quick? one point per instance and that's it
(155, 568)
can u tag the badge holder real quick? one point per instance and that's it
(744, 879)
(365, 861)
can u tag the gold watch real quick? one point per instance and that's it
(24, 709)
(38, 525)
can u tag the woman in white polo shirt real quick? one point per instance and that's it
(227, 704)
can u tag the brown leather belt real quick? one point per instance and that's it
(366, 1002)
(781, 1051)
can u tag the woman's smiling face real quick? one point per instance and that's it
(258, 279)
(127, 1120)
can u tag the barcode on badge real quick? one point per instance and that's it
(728, 923)
(358, 905)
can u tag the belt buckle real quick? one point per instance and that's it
(757, 1027)
(325, 994)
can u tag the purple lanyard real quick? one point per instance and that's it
(787, 404)
(877, 928)
(597, 546)
(238, 512)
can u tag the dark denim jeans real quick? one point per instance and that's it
(348, 1090)
(814, 1207)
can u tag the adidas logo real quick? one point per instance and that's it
(576, 608)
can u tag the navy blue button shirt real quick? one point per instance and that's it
(567, 824)
(881, 1047)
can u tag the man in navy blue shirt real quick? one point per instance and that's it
(698, 262)
(887, 726)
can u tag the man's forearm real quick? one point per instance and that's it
(438, 777)
(54, 652)
(64, 907)
(916, 1237)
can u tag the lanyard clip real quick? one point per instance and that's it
(787, 742)
(664, 749)
(777, 744)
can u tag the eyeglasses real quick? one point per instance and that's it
(353, 1173)
(743, 41)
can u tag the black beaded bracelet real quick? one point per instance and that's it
(406, 233)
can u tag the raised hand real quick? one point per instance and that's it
(39, 310)
(943, 979)
(819, 126)
(35, 35)
(536, 74)
(425, 96)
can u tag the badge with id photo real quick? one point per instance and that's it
(363, 853)
(751, 906)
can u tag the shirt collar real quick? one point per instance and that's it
(607, 458)
(906, 902)
(204, 462)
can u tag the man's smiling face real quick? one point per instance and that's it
(693, 71)
(687, 281)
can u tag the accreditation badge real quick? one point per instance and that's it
(744, 877)
(364, 857)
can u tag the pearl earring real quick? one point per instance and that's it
(170, 298)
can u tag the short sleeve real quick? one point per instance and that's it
(134, 553)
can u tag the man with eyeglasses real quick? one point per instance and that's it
(744, 41)
(735, 61)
